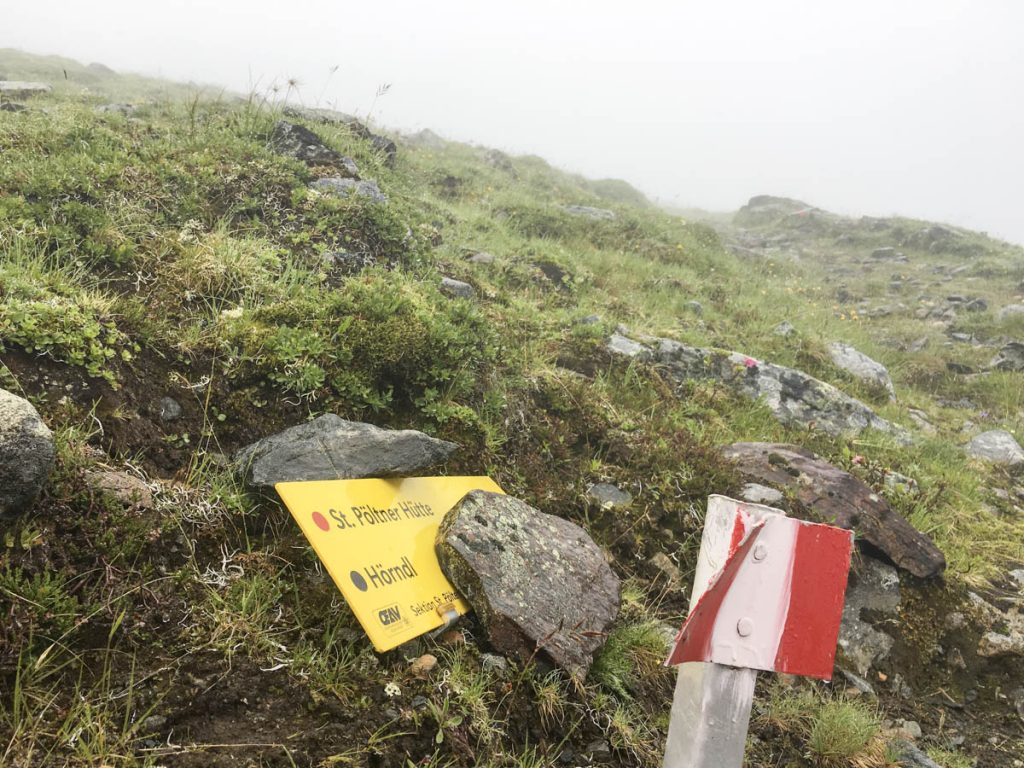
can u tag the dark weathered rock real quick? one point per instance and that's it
(26, 454)
(839, 498)
(11, 106)
(1009, 358)
(20, 89)
(794, 397)
(348, 187)
(380, 144)
(330, 448)
(539, 584)
(302, 144)
(998, 447)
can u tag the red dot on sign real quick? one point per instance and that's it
(321, 522)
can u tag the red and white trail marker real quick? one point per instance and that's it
(768, 594)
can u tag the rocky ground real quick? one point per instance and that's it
(199, 293)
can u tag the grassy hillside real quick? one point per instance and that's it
(170, 252)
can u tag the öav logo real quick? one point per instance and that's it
(389, 615)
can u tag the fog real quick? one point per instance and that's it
(878, 107)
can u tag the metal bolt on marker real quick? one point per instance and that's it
(745, 627)
(760, 552)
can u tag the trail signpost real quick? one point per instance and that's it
(376, 540)
(767, 594)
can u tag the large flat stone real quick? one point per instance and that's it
(331, 448)
(838, 498)
(538, 583)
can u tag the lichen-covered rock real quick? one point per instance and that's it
(838, 498)
(862, 367)
(875, 587)
(302, 144)
(26, 454)
(1009, 358)
(538, 583)
(794, 397)
(998, 447)
(348, 187)
(331, 448)
(608, 496)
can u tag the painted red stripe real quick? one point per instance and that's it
(694, 640)
(821, 565)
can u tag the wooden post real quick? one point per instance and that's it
(711, 706)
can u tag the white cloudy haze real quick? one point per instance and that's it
(883, 106)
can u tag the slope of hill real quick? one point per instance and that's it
(174, 285)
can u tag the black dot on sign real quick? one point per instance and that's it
(359, 581)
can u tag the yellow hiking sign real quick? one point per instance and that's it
(376, 539)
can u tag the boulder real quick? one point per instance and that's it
(587, 212)
(456, 289)
(26, 454)
(21, 89)
(1009, 358)
(860, 366)
(342, 187)
(795, 398)
(331, 448)
(910, 756)
(608, 496)
(301, 143)
(998, 447)
(874, 586)
(838, 498)
(1010, 311)
(538, 583)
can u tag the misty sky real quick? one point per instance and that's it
(913, 107)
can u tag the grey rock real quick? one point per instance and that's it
(301, 143)
(1018, 576)
(589, 320)
(997, 446)
(331, 448)
(1018, 702)
(125, 110)
(859, 683)
(11, 106)
(154, 723)
(608, 496)
(695, 307)
(538, 583)
(587, 212)
(910, 756)
(457, 289)
(911, 728)
(1009, 358)
(795, 398)
(862, 367)
(492, 662)
(920, 419)
(884, 254)
(995, 644)
(26, 454)
(481, 257)
(976, 305)
(784, 329)
(626, 347)
(662, 563)
(756, 493)
(919, 344)
(1009, 311)
(168, 409)
(22, 89)
(380, 144)
(874, 586)
(899, 482)
(599, 750)
(342, 187)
